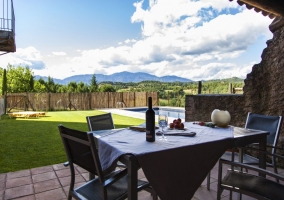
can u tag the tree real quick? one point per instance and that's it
(50, 85)
(19, 79)
(4, 82)
(40, 85)
(94, 84)
(72, 86)
(107, 88)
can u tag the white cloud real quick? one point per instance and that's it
(59, 53)
(198, 40)
(29, 56)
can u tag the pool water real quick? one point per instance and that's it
(170, 112)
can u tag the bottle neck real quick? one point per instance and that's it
(150, 102)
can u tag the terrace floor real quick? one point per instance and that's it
(52, 182)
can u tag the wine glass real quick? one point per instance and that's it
(163, 122)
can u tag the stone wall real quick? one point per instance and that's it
(200, 107)
(264, 86)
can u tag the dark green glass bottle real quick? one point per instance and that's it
(150, 122)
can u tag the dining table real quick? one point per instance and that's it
(174, 168)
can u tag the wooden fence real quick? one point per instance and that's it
(76, 101)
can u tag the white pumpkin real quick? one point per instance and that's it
(220, 117)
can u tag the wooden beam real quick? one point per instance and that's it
(275, 7)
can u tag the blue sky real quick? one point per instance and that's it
(195, 39)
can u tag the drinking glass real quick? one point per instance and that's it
(163, 122)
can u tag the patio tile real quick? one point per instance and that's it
(66, 190)
(64, 181)
(58, 166)
(18, 174)
(141, 174)
(2, 185)
(203, 193)
(40, 170)
(85, 176)
(30, 197)
(56, 194)
(19, 191)
(64, 172)
(81, 170)
(1, 194)
(26, 180)
(2, 177)
(43, 177)
(46, 185)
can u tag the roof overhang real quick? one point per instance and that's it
(271, 8)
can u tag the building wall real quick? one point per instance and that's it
(264, 86)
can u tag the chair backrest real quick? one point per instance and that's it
(265, 123)
(81, 150)
(100, 122)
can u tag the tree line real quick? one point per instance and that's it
(21, 79)
(18, 79)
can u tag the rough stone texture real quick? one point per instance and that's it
(200, 107)
(264, 88)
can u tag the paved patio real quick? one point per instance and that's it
(52, 182)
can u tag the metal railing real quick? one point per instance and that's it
(7, 16)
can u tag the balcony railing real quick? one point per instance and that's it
(7, 27)
(7, 20)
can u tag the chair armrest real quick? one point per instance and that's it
(265, 152)
(251, 167)
(115, 177)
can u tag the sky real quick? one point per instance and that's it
(194, 39)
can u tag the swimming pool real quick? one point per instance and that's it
(170, 112)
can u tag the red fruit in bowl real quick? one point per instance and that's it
(172, 125)
(174, 121)
(181, 125)
(179, 119)
(177, 126)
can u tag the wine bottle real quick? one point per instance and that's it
(150, 122)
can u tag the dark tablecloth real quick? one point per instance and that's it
(174, 168)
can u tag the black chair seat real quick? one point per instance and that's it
(247, 183)
(93, 191)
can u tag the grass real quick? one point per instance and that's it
(30, 143)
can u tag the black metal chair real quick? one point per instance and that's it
(99, 122)
(258, 122)
(249, 183)
(102, 122)
(81, 150)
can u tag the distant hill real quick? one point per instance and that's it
(123, 77)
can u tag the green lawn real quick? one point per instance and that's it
(30, 143)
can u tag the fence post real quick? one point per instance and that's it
(108, 99)
(199, 87)
(90, 100)
(230, 88)
(168, 99)
(134, 98)
(5, 102)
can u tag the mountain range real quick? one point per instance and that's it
(123, 77)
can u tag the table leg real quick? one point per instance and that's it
(262, 156)
(132, 169)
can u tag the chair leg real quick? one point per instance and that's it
(275, 168)
(208, 180)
